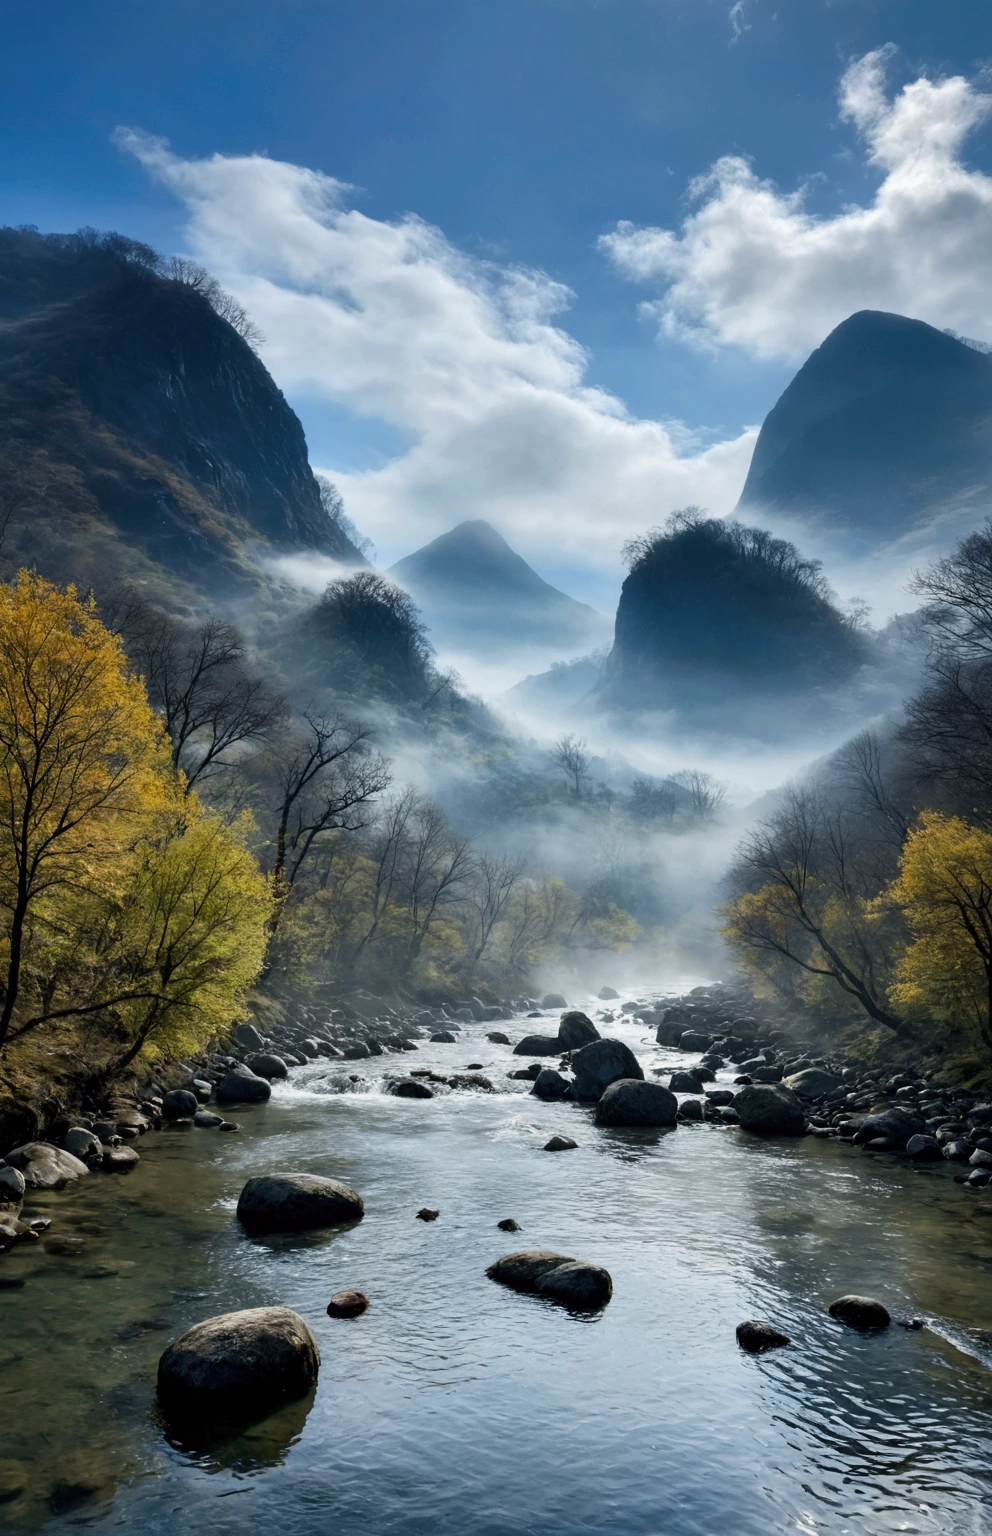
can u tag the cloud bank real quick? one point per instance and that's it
(751, 267)
(464, 358)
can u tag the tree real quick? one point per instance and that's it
(494, 877)
(706, 794)
(83, 764)
(381, 625)
(944, 889)
(569, 754)
(182, 270)
(650, 801)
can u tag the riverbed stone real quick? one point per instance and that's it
(179, 1103)
(607, 994)
(45, 1166)
(12, 1186)
(690, 1109)
(297, 1202)
(497, 1037)
(207, 1120)
(266, 1065)
(119, 1159)
(443, 1037)
(538, 1045)
(756, 1336)
(553, 1000)
(347, 1304)
(924, 1149)
(861, 1312)
(242, 1086)
(897, 1125)
(560, 1144)
(692, 1040)
(601, 1063)
(549, 1084)
(980, 1159)
(628, 1102)
(575, 1030)
(812, 1083)
(573, 1282)
(769, 1109)
(685, 1082)
(239, 1363)
(410, 1088)
(83, 1144)
(957, 1151)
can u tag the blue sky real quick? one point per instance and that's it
(522, 130)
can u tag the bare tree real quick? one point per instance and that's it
(182, 270)
(494, 878)
(706, 794)
(569, 754)
(439, 865)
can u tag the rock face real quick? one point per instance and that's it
(575, 1030)
(241, 1086)
(598, 1065)
(756, 1337)
(549, 1084)
(573, 1282)
(812, 1083)
(296, 1202)
(896, 1125)
(538, 1045)
(240, 1363)
(860, 1312)
(770, 1109)
(628, 1102)
(45, 1166)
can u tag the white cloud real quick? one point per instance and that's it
(752, 267)
(463, 357)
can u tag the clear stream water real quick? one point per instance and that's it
(459, 1408)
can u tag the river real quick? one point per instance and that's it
(457, 1408)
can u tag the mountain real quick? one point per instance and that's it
(716, 617)
(885, 431)
(140, 435)
(476, 592)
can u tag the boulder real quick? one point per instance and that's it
(607, 994)
(685, 1082)
(443, 1037)
(497, 1037)
(12, 1186)
(45, 1166)
(629, 1102)
(83, 1144)
(240, 1363)
(560, 1144)
(538, 1045)
(572, 1282)
(180, 1103)
(691, 1109)
(812, 1083)
(553, 1000)
(242, 1086)
(576, 1030)
(248, 1036)
(357, 1050)
(601, 1063)
(957, 1151)
(924, 1149)
(508, 1224)
(119, 1159)
(410, 1088)
(770, 1109)
(897, 1125)
(549, 1084)
(207, 1120)
(692, 1040)
(859, 1312)
(296, 1202)
(267, 1066)
(980, 1159)
(719, 1096)
(426, 1213)
(199, 1087)
(756, 1336)
(347, 1304)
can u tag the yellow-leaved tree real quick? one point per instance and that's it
(121, 902)
(944, 888)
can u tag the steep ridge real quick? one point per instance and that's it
(474, 589)
(885, 431)
(134, 420)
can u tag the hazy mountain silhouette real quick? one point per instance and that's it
(140, 434)
(885, 430)
(474, 591)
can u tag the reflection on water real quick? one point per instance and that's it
(456, 1407)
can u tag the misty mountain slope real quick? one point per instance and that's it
(716, 619)
(885, 430)
(133, 417)
(476, 591)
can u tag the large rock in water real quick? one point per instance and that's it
(812, 1083)
(549, 1084)
(770, 1109)
(575, 1030)
(296, 1202)
(45, 1166)
(240, 1363)
(628, 1102)
(573, 1282)
(241, 1086)
(898, 1124)
(601, 1063)
(538, 1045)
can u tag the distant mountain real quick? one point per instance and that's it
(715, 618)
(886, 430)
(475, 591)
(140, 435)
